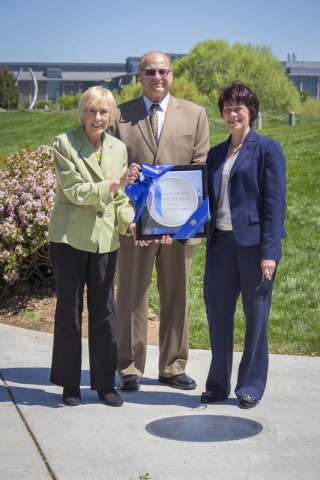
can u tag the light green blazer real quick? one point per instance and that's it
(85, 214)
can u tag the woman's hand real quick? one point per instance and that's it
(140, 243)
(268, 267)
(130, 176)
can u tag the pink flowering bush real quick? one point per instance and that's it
(27, 192)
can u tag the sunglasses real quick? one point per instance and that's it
(151, 72)
(264, 290)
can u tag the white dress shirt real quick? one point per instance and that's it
(223, 220)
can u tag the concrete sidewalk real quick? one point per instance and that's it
(279, 439)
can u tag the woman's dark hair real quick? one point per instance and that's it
(240, 93)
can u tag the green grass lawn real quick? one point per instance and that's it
(295, 314)
(33, 128)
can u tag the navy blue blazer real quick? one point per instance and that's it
(257, 192)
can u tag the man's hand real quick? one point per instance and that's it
(140, 243)
(165, 240)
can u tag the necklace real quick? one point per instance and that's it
(234, 148)
(240, 144)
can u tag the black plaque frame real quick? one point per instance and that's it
(150, 229)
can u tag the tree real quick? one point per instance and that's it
(181, 87)
(9, 92)
(213, 64)
(129, 92)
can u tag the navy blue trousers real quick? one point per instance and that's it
(73, 269)
(232, 269)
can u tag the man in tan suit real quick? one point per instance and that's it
(181, 137)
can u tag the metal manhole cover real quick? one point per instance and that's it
(204, 428)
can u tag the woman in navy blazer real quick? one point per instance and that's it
(247, 188)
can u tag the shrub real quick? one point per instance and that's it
(40, 104)
(27, 191)
(310, 107)
(76, 99)
(67, 101)
(304, 95)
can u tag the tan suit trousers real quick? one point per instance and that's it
(173, 263)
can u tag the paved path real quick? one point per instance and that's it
(279, 439)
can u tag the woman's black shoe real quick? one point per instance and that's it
(248, 401)
(208, 397)
(71, 396)
(112, 398)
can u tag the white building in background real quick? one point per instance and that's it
(305, 75)
(55, 79)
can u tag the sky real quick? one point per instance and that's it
(103, 31)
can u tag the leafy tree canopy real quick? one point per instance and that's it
(181, 87)
(213, 64)
(9, 92)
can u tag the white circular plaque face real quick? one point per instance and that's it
(178, 201)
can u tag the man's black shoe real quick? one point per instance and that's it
(129, 382)
(181, 381)
(248, 401)
(208, 397)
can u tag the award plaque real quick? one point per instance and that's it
(173, 198)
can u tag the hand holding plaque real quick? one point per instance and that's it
(173, 201)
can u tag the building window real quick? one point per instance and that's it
(296, 82)
(53, 91)
(309, 84)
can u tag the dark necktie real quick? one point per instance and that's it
(154, 121)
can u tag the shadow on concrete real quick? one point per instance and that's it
(36, 376)
(26, 392)
(175, 397)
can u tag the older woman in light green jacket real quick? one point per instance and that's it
(90, 210)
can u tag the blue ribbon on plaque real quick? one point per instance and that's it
(194, 223)
(139, 191)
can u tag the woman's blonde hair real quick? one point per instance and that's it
(93, 97)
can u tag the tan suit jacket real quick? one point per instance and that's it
(184, 138)
(86, 215)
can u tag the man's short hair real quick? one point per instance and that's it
(141, 61)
